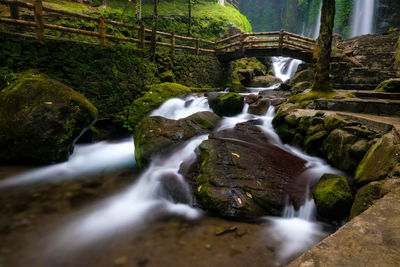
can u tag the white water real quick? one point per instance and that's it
(284, 67)
(362, 17)
(317, 26)
(149, 198)
(86, 160)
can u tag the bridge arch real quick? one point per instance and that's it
(278, 43)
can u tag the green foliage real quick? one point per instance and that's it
(342, 17)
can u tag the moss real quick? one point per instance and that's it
(358, 131)
(332, 122)
(310, 96)
(333, 197)
(392, 85)
(315, 128)
(292, 120)
(304, 123)
(298, 140)
(152, 99)
(365, 197)
(167, 76)
(378, 162)
(228, 104)
(285, 132)
(313, 143)
(41, 119)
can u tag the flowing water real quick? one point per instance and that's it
(362, 17)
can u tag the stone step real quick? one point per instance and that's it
(357, 105)
(376, 95)
(350, 86)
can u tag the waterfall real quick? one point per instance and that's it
(317, 26)
(362, 17)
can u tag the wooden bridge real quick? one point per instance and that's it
(279, 43)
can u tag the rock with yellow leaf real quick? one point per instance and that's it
(244, 175)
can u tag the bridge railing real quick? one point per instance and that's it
(27, 16)
(264, 40)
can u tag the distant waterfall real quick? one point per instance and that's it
(362, 17)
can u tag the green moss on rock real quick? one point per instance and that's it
(391, 85)
(333, 197)
(228, 104)
(152, 99)
(379, 161)
(41, 119)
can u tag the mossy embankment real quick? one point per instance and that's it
(110, 77)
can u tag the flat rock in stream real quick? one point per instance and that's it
(244, 174)
(157, 134)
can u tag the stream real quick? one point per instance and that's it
(159, 193)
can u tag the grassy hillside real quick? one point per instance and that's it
(209, 18)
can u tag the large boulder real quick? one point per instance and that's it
(370, 193)
(243, 174)
(262, 104)
(379, 161)
(333, 197)
(157, 134)
(226, 104)
(41, 119)
(345, 150)
(264, 81)
(391, 85)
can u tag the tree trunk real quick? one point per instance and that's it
(190, 17)
(323, 50)
(154, 30)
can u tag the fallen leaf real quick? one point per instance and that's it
(239, 200)
(121, 260)
(224, 230)
(199, 188)
(236, 155)
(249, 195)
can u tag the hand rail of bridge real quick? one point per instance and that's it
(264, 40)
(141, 35)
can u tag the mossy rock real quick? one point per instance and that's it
(227, 104)
(333, 122)
(313, 143)
(333, 197)
(167, 76)
(41, 119)
(155, 135)
(306, 75)
(391, 85)
(367, 195)
(337, 149)
(379, 161)
(153, 98)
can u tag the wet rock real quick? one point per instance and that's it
(157, 134)
(306, 75)
(391, 85)
(379, 161)
(245, 76)
(229, 184)
(264, 81)
(333, 197)
(41, 119)
(338, 149)
(260, 107)
(250, 99)
(227, 104)
(300, 87)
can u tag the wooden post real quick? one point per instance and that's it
(142, 37)
(172, 45)
(280, 42)
(154, 30)
(102, 30)
(197, 46)
(38, 11)
(241, 42)
(14, 12)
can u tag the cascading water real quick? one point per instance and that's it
(284, 67)
(162, 191)
(362, 17)
(86, 160)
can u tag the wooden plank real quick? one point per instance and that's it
(70, 14)
(14, 10)
(71, 30)
(38, 13)
(17, 22)
(102, 31)
(229, 45)
(264, 33)
(163, 44)
(228, 38)
(301, 40)
(185, 47)
(262, 40)
(172, 40)
(298, 45)
(17, 3)
(120, 38)
(298, 36)
(207, 50)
